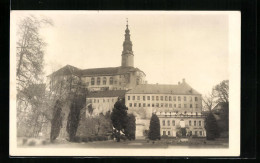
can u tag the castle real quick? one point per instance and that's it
(178, 106)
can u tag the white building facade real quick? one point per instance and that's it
(177, 106)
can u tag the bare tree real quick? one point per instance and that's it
(221, 91)
(209, 101)
(29, 76)
(30, 51)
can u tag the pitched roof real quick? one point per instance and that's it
(108, 71)
(66, 70)
(109, 93)
(181, 89)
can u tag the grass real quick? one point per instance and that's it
(141, 143)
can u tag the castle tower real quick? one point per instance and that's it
(127, 54)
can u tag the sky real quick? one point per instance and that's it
(167, 46)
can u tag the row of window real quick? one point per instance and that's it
(104, 81)
(162, 105)
(162, 98)
(173, 123)
(195, 133)
(100, 100)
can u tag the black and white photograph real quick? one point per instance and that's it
(125, 83)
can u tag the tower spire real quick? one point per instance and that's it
(127, 54)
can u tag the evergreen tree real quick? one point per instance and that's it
(154, 129)
(56, 122)
(119, 117)
(130, 127)
(211, 127)
(74, 115)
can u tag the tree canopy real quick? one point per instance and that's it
(154, 128)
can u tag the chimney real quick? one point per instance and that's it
(183, 80)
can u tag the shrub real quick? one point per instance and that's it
(32, 143)
(164, 137)
(123, 137)
(154, 128)
(25, 141)
(85, 139)
(44, 142)
(211, 127)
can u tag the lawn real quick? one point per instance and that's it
(140, 143)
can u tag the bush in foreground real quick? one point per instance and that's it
(154, 129)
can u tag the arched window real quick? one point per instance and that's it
(111, 80)
(104, 80)
(98, 81)
(92, 81)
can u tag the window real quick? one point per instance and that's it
(130, 104)
(133, 97)
(92, 81)
(128, 97)
(184, 98)
(119, 83)
(196, 113)
(196, 98)
(190, 105)
(163, 122)
(138, 97)
(143, 104)
(164, 132)
(144, 98)
(170, 105)
(166, 98)
(185, 105)
(173, 122)
(111, 80)
(168, 122)
(157, 104)
(190, 98)
(175, 105)
(148, 97)
(200, 133)
(199, 123)
(152, 98)
(196, 132)
(161, 104)
(179, 106)
(189, 123)
(157, 98)
(115, 82)
(152, 105)
(166, 105)
(170, 98)
(169, 133)
(197, 105)
(94, 100)
(98, 81)
(107, 100)
(195, 123)
(179, 98)
(112, 100)
(139, 104)
(134, 104)
(161, 98)
(148, 105)
(104, 100)
(104, 80)
(98, 100)
(174, 98)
